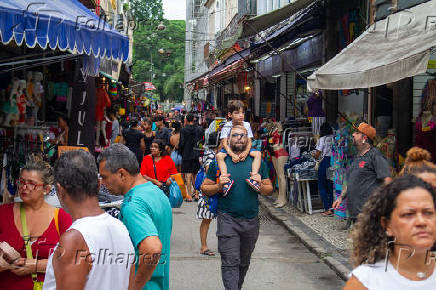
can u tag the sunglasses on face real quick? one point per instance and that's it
(239, 135)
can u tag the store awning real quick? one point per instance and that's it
(390, 50)
(62, 24)
(259, 23)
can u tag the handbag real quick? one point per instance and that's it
(165, 188)
(37, 285)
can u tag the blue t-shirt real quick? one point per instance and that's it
(146, 212)
(242, 201)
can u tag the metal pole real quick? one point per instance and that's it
(151, 66)
(370, 103)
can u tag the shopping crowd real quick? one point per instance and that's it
(80, 246)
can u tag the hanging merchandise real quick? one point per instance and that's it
(342, 157)
(388, 146)
(21, 101)
(113, 90)
(425, 132)
(10, 107)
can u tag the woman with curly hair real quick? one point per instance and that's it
(417, 157)
(393, 237)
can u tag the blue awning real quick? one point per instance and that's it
(63, 24)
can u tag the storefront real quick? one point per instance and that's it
(400, 81)
(50, 69)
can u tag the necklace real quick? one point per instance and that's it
(422, 275)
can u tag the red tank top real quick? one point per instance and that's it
(42, 247)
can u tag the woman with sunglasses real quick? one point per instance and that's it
(29, 230)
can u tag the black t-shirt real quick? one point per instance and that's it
(133, 139)
(366, 173)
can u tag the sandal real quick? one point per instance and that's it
(188, 200)
(208, 253)
(227, 187)
(253, 184)
(327, 213)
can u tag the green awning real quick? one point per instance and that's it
(108, 76)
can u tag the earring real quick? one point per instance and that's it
(387, 249)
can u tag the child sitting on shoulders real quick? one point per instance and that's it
(236, 111)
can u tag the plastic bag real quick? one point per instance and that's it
(175, 196)
(178, 178)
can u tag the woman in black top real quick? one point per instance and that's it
(149, 135)
(134, 140)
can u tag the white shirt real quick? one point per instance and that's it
(325, 145)
(374, 277)
(225, 131)
(111, 249)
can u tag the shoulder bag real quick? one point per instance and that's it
(37, 285)
(165, 188)
(172, 191)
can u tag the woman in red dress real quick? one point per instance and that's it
(44, 225)
(159, 173)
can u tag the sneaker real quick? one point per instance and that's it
(227, 187)
(253, 184)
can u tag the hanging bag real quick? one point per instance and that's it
(175, 195)
(37, 285)
(172, 191)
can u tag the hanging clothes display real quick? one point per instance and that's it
(342, 156)
(425, 131)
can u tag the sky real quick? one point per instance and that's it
(174, 9)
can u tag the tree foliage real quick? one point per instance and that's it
(147, 11)
(167, 72)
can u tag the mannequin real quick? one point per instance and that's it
(29, 89)
(30, 105)
(11, 108)
(38, 92)
(315, 111)
(21, 101)
(279, 160)
(102, 102)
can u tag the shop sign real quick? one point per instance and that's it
(304, 55)
(432, 64)
(82, 125)
(63, 149)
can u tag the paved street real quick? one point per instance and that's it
(279, 261)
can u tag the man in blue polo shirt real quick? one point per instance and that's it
(146, 212)
(237, 220)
